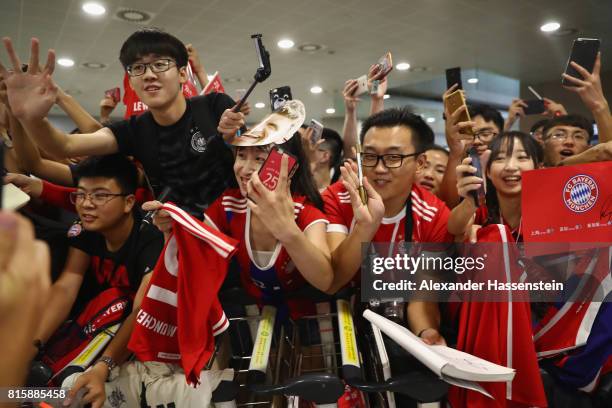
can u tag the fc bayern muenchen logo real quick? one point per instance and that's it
(580, 193)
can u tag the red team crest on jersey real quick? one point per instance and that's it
(580, 193)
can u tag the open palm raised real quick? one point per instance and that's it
(31, 94)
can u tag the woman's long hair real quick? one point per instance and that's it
(506, 139)
(302, 182)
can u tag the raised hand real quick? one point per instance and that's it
(350, 100)
(31, 94)
(275, 206)
(589, 87)
(466, 181)
(367, 215)
(458, 136)
(514, 112)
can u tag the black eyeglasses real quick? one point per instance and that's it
(97, 199)
(390, 161)
(157, 66)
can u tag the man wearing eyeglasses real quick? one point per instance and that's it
(564, 137)
(176, 147)
(109, 262)
(393, 144)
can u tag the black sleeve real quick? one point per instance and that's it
(86, 241)
(123, 133)
(150, 245)
(220, 102)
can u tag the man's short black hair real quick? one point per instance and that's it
(540, 123)
(569, 120)
(333, 143)
(422, 135)
(488, 113)
(438, 148)
(112, 166)
(152, 41)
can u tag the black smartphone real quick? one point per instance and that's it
(534, 107)
(278, 97)
(453, 76)
(584, 52)
(478, 195)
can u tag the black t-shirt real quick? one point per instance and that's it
(188, 156)
(123, 268)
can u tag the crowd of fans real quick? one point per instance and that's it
(90, 189)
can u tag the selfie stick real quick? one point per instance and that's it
(263, 72)
(148, 218)
(362, 192)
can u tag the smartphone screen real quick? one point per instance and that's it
(534, 107)
(317, 130)
(453, 76)
(584, 51)
(478, 195)
(269, 173)
(278, 97)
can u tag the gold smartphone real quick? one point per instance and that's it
(453, 102)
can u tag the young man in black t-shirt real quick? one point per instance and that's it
(111, 254)
(176, 147)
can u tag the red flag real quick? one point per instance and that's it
(214, 85)
(500, 332)
(578, 206)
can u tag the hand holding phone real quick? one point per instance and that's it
(362, 85)
(385, 64)
(584, 52)
(454, 101)
(114, 94)
(479, 195)
(317, 131)
(270, 171)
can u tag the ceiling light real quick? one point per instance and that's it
(550, 27)
(330, 111)
(94, 65)
(316, 90)
(286, 43)
(386, 96)
(402, 66)
(431, 120)
(472, 80)
(260, 105)
(65, 62)
(133, 16)
(94, 9)
(310, 47)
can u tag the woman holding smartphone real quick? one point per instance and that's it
(278, 221)
(511, 154)
(505, 323)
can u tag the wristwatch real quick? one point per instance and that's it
(110, 363)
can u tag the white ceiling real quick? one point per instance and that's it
(498, 36)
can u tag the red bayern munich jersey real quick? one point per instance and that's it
(268, 284)
(181, 314)
(429, 216)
